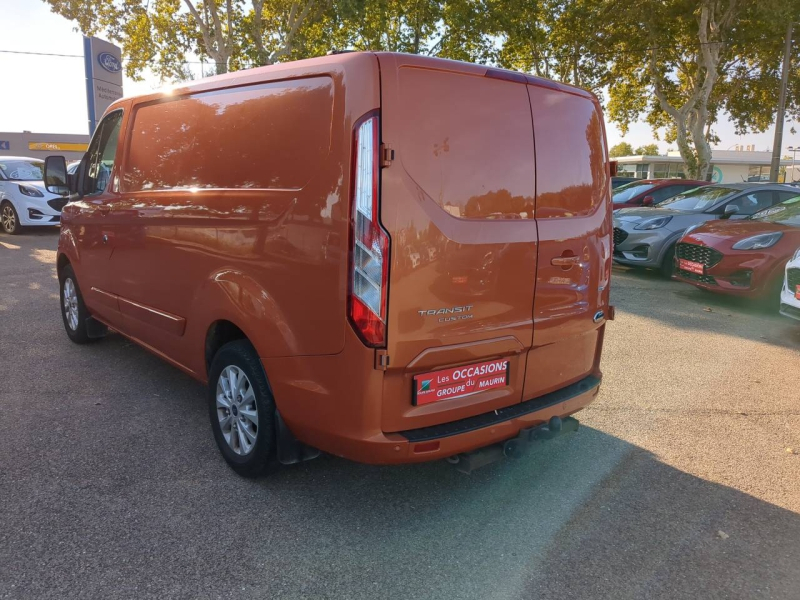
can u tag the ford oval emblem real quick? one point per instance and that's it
(109, 62)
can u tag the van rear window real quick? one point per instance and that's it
(570, 154)
(263, 136)
(467, 141)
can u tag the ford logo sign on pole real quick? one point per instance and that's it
(109, 62)
(103, 84)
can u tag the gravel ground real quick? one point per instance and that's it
(683, 481)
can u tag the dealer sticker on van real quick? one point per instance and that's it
(460, 381)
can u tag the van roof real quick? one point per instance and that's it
(313, 66)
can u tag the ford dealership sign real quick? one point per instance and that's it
(102, 61)
(109, 62)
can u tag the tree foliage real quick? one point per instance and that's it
(647, 150)
(676, 63)
(621, 149)
(701, 57)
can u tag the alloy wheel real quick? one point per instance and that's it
(237, 410)
(71, 303)
(8, 219)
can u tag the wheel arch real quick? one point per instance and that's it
(671, 242)
(62, 261)
(232, 305)
(219, 333)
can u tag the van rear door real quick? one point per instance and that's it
(457, 200)
(573, 215)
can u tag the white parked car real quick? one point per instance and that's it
(790, 294)
(23, 197)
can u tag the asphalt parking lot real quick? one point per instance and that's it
(683, 481)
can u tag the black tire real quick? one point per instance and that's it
(668, 264)
(78, 334)
(770, 302)
(9, 219)
(258, 459)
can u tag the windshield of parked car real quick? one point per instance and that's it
(22, 170)
(698, 199)
(627, 192)
(785, 213)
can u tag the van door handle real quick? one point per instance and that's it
(565, 261)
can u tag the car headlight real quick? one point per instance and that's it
(796, 254)
(656, 223)
(30, 191)
(756, 242)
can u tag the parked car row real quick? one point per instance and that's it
(736, 239)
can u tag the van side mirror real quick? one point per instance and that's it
(730, 210)
(648, 201)
(56, 180)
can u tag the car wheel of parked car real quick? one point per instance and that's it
(668, 264)
(9, 220)
(770, 302)
(73, 310)
(241, 408)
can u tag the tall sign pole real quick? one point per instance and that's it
(102, 63)
(777, 144)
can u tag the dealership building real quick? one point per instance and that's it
(727, 166)
(41, 145)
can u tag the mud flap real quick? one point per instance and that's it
(290, 450)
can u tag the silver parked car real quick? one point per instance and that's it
(646, 237)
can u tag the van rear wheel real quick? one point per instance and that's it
(241, 409)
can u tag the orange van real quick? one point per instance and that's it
(386, 257)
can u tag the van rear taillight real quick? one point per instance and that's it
(369, 251)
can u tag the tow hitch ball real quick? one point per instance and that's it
(515, 447)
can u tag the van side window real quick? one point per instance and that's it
(101, 154)
(262, 136)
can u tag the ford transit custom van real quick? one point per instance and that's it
(390, 258)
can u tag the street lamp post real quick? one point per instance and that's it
(794, 151)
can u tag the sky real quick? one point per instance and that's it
(47, 94)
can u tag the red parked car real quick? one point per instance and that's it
(746, 257)
(649, 192)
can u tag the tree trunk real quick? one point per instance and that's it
(258, 32)
(213, 41)
(685, 148)
(701, 145)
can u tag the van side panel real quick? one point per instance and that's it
(457, 201)
(235, 206)
(573, 214)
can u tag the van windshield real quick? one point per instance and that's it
(22, 169)
(626, 192)
(698, 199)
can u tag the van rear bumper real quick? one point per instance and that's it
(448, 439)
